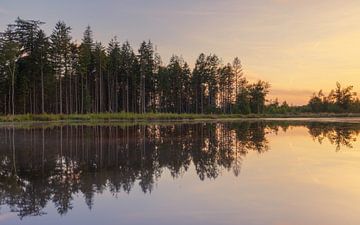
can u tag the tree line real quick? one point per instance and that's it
(338, 100)
(54, 74)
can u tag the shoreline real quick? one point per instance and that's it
(169, 117)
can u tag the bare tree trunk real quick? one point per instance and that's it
(100, 96)
(5, 105)
(13, 88)
(116, 94)
(82, 95)
(109, 92)
(202, 101)
(34, 99)
(24, 106)
(66, 95)
(42, 89)
(127, 94)
(197, 101)
(9, 101)
(60, 93)
(30, 103)
(100, 88)
(76, 95)
(70, 94)
(56, 98)
(144, 95)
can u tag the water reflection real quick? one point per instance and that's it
(42, 164)
(338, 135)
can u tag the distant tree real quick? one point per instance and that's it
(316, 102)
(34, 48)
(128, 77)
(164, 89)
(178, 76)
(74, 79)
(147, 78)
(113, 65)
(60, 53)
(343, 96)
(338, 100)
(205, 83)
(10, 53)
(186, 87)
(243, 99)
(257, 93)
(86, 67)
(226, 87)
(240, 81)
(41, 55)
(98, 78)
(212, 69)
(197, 83)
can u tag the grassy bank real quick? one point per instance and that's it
(158, 116)
(113, 116)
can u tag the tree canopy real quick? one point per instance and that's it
(53, 74)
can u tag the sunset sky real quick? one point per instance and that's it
(299, 46)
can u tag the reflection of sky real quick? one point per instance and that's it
(297, 182)
(299, 46)
(6, 216)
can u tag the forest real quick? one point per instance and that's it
(53, 74)
(41, 74)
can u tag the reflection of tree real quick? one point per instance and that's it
(251, 136)
(338, 135)
(52, 164)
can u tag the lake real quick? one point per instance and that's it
(235, 172)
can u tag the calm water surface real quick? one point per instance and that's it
(277, 173)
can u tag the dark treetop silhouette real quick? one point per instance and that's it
(53, 74)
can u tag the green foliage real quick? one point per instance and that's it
(339, 100)
(42, 74)
(257, 93)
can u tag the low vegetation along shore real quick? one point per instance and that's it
(159, 116)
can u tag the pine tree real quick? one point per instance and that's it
(128, 77)
(257, 94)
(85, 69)
(147, 79)
(60, 57)
(10, 52)
(99, 69)
(113, 66)
(41, 60)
